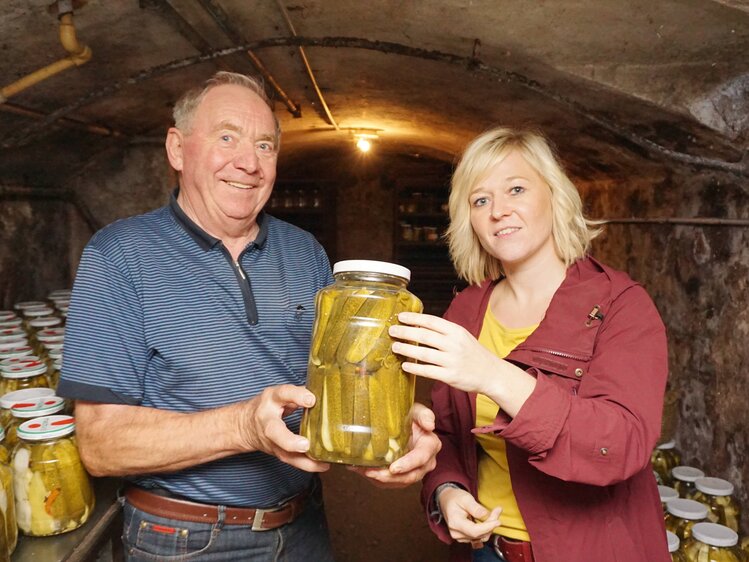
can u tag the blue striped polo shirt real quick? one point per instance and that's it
(161, 316)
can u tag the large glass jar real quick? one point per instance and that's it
(665, 457)
(683, 515)
(28, 409)
(10, 399)
(8, 527)
(52, 489)
(716, 494)
(362, 415)
(37, 325)
(683, 478)
(28, 374)
(673, 548)
(711, 542)
(667, 494)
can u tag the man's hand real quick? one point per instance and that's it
(420, 459)
(467, 520)
(263, 429)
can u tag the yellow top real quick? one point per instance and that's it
(495, 488)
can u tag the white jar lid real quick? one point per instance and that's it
(687, 509)
(673, 541)
(23, 351)
(667, 445)
(667, 493)
(715, 535)
(9, 341)
(23, 305)
(18, 361)
(714, 486)
(60, 293)
(12, 331)
(37, 407)
(36, 311)
(24, 370)
(6, 315)
(372, 266)
(50, 334)
(11, 323)
(55, 353)
(46, 427)
(8, 400)
(2, 433)
(686, 473)
(45, 322)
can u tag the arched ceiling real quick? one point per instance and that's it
(620, 85)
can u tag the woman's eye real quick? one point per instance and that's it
(517, 189)
(479, 202)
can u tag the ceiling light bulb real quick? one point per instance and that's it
(363, 144)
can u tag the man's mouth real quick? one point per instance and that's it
(239, 185)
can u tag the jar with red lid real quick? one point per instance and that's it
(28, 409)
(30, 374)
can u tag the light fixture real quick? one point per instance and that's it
(364, 138)
(364, 144)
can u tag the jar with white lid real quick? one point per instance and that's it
(362, 415)
(31, 374)
(667, 494)
(8, 526)
(717, 494)
(711, 542)
(33, 313)
(28, 409)
(6, 315)
(59, 294)
(10, 399)
(36, 325)
(683, 478)
(8, 323)
(24, 305)
(682, 515)
(744, 544)
(663, 458)
(673, 548)
(52, 489)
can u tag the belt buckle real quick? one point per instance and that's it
(257, 520)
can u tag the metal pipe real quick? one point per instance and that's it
(307, 66)
(16, 109)
(79, 54)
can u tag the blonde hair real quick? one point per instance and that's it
(184, 109)
(571, 231)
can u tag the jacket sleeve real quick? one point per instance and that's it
(604, 431)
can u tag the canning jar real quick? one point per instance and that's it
(711, 542)
(362, 414)
(10, 399)
(683, 478)
(716, 494)
(673, 548)
(28, 409)
(8, 527)
(40, 324)
(682, 515)
(52, 489)
(667, 494)
(665, 457)
(28, 374)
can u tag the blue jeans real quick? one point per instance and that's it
(304, 539)
(486, 554)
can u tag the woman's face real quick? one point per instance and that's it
(511, 213)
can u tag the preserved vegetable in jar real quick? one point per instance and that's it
(362, 413)
(664, 458)
(673, 548)
(31, 374)
(8, 527)
(683, 478)
(10, 399)
(716, 494)
(37, 325)
(711, 542)
(667, 494)
(30, 408)
(682, 515)
(52, 489)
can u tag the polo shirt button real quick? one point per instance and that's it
(578, 372)
(604, 451)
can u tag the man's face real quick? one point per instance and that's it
(227, 159)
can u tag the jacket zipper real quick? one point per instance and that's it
(554, 352)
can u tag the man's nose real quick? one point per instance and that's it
(246, 159)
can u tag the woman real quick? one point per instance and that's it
(558, 434)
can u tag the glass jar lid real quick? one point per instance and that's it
(37, 407)
(372, 266)
(667, 493)
(673, 541)
(8, 400)
(715, 535)
(45, 322)
(667, 445)
(686, 473)
(687, 509)
(23, 370)
(46, 427)
(23, 305)
(714, 486)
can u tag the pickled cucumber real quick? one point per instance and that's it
(8, 508)
(700, 552)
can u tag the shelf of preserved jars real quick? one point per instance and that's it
(310, 206)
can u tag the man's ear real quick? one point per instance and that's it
(174, 145)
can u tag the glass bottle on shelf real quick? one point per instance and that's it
(717, 494)
(682, 515)
(711, 542)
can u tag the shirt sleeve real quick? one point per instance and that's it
(105, 353)
(604, 433)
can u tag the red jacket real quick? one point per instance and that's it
(579, 448)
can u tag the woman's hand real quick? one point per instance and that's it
(466, 519)
(446, 352)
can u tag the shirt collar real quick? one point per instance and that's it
(205, 240)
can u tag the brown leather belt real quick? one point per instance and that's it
(183, 510)
(512, 550)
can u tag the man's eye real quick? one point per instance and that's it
(265, 147)
(226, 138)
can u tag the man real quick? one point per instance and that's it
(186, 351)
